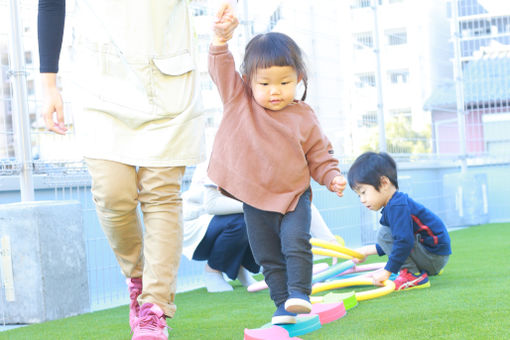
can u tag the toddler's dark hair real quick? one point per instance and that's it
(273, 49)
(369, 167)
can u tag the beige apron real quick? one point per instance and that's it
(136, 94)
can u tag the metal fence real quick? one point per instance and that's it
(429, 82)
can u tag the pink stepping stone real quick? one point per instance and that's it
(271, 333)
(328, 312)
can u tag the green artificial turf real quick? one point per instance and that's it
(471, 300)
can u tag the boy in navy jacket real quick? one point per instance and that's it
(415, 239)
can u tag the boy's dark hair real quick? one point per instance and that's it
(369, 167)
(273, 49)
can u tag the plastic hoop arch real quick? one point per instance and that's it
(389, 287)
(332, 271)
(329, 252)
(336, 247)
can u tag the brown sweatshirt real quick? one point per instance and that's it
(262, 157)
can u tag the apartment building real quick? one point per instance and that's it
(483, 97)
(407, 44)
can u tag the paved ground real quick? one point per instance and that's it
(7, 327)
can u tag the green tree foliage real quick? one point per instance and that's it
(401, 138)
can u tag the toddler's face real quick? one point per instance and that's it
(275, 87)
(371, 198)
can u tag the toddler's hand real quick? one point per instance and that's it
(338, 185)
(225, 24)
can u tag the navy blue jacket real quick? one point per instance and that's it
(406, 218)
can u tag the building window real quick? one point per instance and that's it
(275, 18)
(206, 85)
(363, 40)
(360, 3)
(368, 119)
(398, 76)
(4, 59)
(502, 24)
(30, 87)
(365, 80)
(475, 28)
(28, 57)
(396, 37)
(403, 114)
(198, 11)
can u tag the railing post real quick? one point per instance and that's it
(20, 118)
(378, 81)
(459, 85)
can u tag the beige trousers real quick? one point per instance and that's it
(154, 254)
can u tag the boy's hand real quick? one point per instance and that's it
(224, 25)
(358, 261)
(380, 276)
(338, 185)
(363, 252)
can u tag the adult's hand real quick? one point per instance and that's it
(53, 107)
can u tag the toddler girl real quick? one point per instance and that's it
(267, 148)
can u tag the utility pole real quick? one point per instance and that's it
(459, 85)
(378, 81)
(247, 23)
(20, 119)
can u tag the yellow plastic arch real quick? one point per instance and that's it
(316, 299)
(340, 240)
(389, 287)
(338, 248)
(328, 252)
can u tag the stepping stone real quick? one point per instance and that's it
(271, 333)
(304, 324)
(349, 299)
(328, 312)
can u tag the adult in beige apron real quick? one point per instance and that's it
(138, 122)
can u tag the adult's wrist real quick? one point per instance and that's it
(49, 80)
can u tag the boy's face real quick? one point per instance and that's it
(371, 198)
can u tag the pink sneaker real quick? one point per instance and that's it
(135, 289)
(151, 324)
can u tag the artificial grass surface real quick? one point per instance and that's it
(471, 300)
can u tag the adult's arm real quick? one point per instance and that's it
(50, 30)
(215, 203)
(318, 228)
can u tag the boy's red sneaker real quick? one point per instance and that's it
(407, 280)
